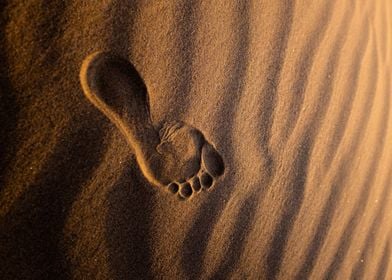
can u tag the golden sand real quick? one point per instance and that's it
(295, 97)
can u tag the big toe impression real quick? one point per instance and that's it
(212, 160)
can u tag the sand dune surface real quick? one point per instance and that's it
(218, 139)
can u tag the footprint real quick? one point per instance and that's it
(175, 156)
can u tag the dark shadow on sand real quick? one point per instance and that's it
(32, 232)
(128, 225)
(9, 110)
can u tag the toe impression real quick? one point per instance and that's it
(186, 190)
(206, 180)
(173, 188)
(196, 184)
(212, 160)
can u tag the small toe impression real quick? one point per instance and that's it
(212, 160)
(196, 184)
(186, 190)
(206, 180)
(173, 188)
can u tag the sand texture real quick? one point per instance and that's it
(195, 139)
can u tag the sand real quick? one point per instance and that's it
(294, 96)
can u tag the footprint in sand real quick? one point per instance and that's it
(174, 155)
